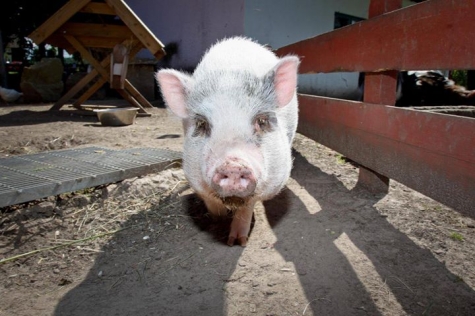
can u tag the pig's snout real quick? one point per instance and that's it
(234, 178)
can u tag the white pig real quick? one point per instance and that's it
(239, 112)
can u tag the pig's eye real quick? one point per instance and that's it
(262, 124)
(202, 127)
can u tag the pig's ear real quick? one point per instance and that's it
(285, 79)
(174, 86)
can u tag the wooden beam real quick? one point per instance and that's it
(89, 92)
(58, 40)
(81, 84)
(98, 42)
(140, 30)
(139, 100)
(131, 100)
(431, 153)
(378, 7)
(88, 56)
(74, 90)
(95, 30)
(380, 88)
(98, 8)
(78, 86)
(56, 20)
(136, 47)
(406, 39)
(137, 95)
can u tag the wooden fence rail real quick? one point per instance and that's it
(429, 152)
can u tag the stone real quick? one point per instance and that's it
(42, 82)
(45, 208)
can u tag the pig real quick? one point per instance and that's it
(239, 112)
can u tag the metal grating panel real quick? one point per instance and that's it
(30, 177)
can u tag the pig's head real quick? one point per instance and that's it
(238, 128)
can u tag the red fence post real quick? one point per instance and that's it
(431, 153)
(380, 88)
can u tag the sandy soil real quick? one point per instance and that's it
(145, 246)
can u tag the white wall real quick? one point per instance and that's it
(281, 22)
(196, 24)
(193, 24)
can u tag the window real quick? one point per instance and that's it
(342, 19)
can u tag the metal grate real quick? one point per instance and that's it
(30, 177)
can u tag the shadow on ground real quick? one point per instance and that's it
(345, 259)
(28, 117)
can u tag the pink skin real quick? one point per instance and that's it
(234, 176)
(230, 168)
(241, 223)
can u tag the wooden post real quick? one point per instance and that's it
(3, 71)
(119, 64)
(59, 30)
(56, 20)
(380, 88)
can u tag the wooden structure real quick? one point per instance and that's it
(429, 152)
(91, 27)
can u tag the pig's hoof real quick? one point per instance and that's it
(242, 241)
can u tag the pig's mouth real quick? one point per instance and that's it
(233, 202)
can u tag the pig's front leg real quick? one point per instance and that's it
(214, 206)
(241, 225)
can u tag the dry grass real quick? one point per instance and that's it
(107, 210)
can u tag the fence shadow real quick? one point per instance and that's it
(349, 260)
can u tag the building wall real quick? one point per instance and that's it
(192, 25)
(196, 25)
(279, 23)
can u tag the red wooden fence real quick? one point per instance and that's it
(431, 153)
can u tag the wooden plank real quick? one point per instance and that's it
(56, 20)
(74, 90)
(141, 31)
(431, 153)
(58, 40)
(105, 74)
(406, 39)
(98, 42)
(380, 87)
(88, 56)
(136, 47)
(131, 100)
(89, 92)
(95, 30)
(119, 65)
(137, 95)
(79, 86)
(378, 7)
(98, 8)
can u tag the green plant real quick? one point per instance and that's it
(459, 76)
(456, 236)
(340, 159)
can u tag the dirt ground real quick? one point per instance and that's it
(145, 246)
